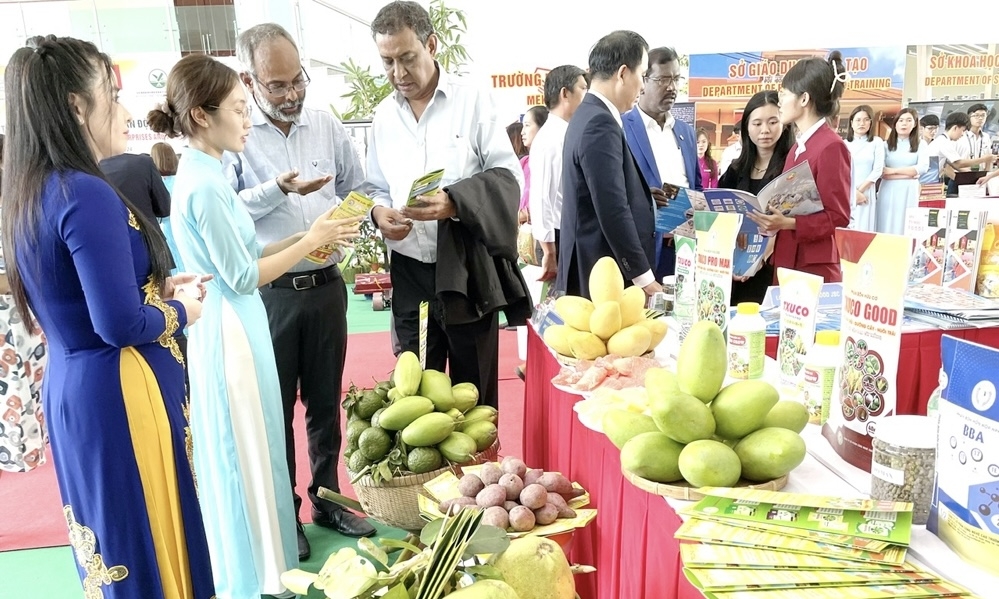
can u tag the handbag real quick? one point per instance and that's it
(526, 248)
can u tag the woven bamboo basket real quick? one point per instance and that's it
(395, 502)
(683, 490)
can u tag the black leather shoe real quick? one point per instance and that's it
(343, 522)
(304, 549)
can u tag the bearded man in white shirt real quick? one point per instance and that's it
(565, 87)
(456, 249)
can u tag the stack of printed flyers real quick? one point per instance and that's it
(749, 544)
(949, 308)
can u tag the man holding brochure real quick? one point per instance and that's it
(452, 246)
(296, 165)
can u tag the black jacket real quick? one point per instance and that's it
(606, 202)
(477, 272)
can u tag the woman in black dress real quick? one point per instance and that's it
(765, 145)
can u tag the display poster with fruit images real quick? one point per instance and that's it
(963, 249)
(928, 226)
(685, 302)
(716, 237)
(965, 509)
(870, 339)
(799, 303)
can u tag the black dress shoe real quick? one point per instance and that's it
(304, 549)
(343, 522)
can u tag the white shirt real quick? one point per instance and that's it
(648, 277)
(459, 132)
(317, 145)
(729, 155)
(806, 135)
(545, 195)
(973, 146)
(943, 147)
(666, 150)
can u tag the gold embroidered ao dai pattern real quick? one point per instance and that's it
(84, 545)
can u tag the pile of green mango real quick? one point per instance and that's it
(703, 433)
(415, 423)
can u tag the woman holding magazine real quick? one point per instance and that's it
(765, 145)
(809, 95)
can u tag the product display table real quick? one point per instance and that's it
(919, 362)
(631, 540)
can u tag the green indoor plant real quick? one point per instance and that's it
(368, 89)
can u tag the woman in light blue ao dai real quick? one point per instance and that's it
(906, 160)
(867, 157)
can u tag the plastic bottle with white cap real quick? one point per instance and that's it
(747, 339)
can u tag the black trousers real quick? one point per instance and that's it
(469, 351)
(309, 333)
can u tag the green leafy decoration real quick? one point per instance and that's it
(487, 540)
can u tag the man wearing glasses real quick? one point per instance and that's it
(297, 164)
(975, 144)
(665, 148)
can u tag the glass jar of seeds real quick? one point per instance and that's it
(902, 468)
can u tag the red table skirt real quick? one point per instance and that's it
(631, 540)
(919, 363)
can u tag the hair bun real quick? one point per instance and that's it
(162, 120)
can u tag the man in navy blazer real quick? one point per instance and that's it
(607, 207)
(665, 148)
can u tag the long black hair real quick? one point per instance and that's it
(743, 165)
(44, 137)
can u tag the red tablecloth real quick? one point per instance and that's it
(919, 363)
(631, 541)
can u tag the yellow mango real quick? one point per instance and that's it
(658, 329)
(587, 346)
(606, 281)
(632, 341)
(575, 311)
(606, 320)
(557, 337)
(632, 306)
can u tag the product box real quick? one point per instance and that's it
(685, 302)
(964, 512)
(870, 338)
(716, 239)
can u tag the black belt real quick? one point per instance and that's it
(300, 281)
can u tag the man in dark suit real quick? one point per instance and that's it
(607, 208)
(136, 176)
(665, 148)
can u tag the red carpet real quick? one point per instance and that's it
(32, 512)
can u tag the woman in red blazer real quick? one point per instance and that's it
(810, 94)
